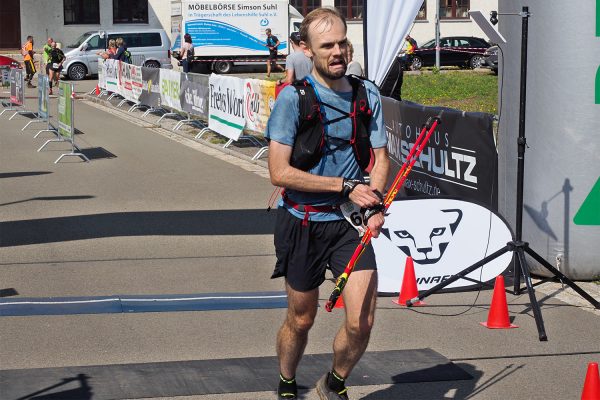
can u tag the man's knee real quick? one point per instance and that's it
(300, 323)
(360, 328)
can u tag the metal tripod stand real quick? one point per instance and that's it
(517, 246)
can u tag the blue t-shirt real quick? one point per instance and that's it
(338, 159)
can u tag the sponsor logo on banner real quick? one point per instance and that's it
(195, 94)
(150, 94)
(259, 97)
(226, 106)
(443, 236)
(65, 110)
(4, 76)
(43, 96)
(214, 26)
(459, 160)
(170, 87)
(111, 75)
(17, 89)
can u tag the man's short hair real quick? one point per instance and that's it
(268, 30)
(295, 37)
(323, 13)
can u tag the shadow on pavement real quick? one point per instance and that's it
(463, 389)
(96, 153)
(22, 173)
(83, 392)
(148, 223)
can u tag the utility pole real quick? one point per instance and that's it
(437, 34)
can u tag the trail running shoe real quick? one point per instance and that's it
(325, 393)
(287, 389)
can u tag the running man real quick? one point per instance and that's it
(311, 234)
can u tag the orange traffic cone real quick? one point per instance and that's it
(591, 387)
(340, 303)
(498, 315)
(409, 285)
(97, 90)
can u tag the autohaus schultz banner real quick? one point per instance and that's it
(460, 159)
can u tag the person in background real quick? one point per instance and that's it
(297, 64)
(57, 57)
(186, 52)
(354, 67)
(46, 56)
(272, 44)
(407, 56)
(111, 51)
(122, 53)
(28, 53)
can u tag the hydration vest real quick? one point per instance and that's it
(310, 138)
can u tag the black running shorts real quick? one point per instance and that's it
(305, 252)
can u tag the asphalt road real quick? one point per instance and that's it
(155, 213)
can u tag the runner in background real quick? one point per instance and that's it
(28, 53)
(57, 57)
(46, 56)
(272, 44)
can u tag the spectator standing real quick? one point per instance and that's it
(57, 57)
(411, 46)
(187, 53)
(122, 53)
(272, 44)
(297, 64)
(46, 55)
(111, 51)
(354, 67)
(28, 53)
(311, 233)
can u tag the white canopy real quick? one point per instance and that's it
(387, 23)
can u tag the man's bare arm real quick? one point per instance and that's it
(379, 175)
(381, 169)
(284, 175)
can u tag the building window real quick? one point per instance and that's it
(130, 11)
(81, 12)
(454, 9)
(351, 9)
(305, 6)
(422, 14)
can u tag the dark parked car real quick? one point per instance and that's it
(9, 62)
(461, 51)
(491, 58)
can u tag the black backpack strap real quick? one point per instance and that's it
(361, 115)
(310, 136)
(307, 101)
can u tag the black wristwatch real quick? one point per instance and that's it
(349, 185)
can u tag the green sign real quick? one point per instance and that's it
(598, 86)
(65, 110)
(597, 17)
(589, 213)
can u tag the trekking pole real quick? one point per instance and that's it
(401, 176)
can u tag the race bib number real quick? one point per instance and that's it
(55, 65)
(353, 215)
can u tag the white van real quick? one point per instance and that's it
(148, 48)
